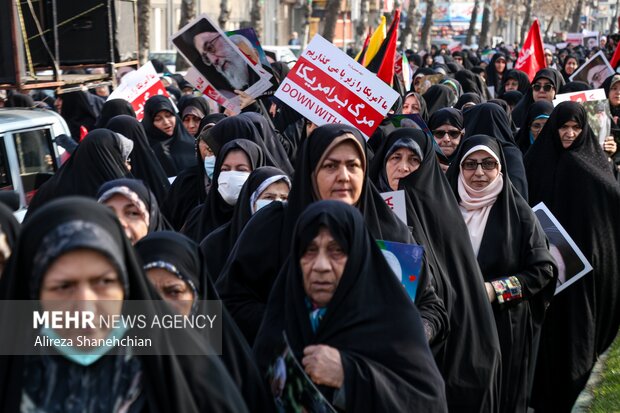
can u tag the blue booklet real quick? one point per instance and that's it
(406, 262)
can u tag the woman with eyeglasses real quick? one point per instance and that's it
(568, 171)
(545, 85)
(511, 250)
(446, 126)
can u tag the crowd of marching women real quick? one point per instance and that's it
(279, 218)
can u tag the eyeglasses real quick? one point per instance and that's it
(487, 165)
(209, 48)
(538, 86)
(453, 134)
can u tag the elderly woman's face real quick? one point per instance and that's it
(479, 170)
(341, 175)
(322, 265)
(400, 164)
(172, 289)
(82, 280)
(569, 133)
(165, 122)
(131, 218)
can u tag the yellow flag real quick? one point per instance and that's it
(375, 41)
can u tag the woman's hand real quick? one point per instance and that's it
(245, 100)
(324, 365)
(609, 145)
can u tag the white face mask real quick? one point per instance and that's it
(261, 203)
(229, 185)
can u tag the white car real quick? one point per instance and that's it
(281, 54)
(28, 151)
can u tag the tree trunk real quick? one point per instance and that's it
(224, 14)
(549, 25)
(472, 23)
(425, 41)
(144, 25)
(615, 18)
(256, 17)
(526, 21)
(188, 12)
(411, 26)
(332, 11)
(361, 28)
(306, 26)
(574, 27)
(486, 24)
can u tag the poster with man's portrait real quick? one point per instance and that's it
(570, 261)
(594, 71)
(590, 40)
(206, 47)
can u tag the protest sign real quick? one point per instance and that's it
(327, 86)
(396, 201)
(292, 389)
(255, 53)
(590, 39)
(599, 118)
(138, 86)
(572, 264)
(406, 262)
(194, 77)
(575, 39)
(583, 96)
(219, 61)
(594, 71)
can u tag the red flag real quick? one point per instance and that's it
(616, 57)
(532, 56)
(383, 62)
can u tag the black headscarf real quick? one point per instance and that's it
(184, 255)
(168, 382)
(251, 269)
(438, 97)
(243, 127)
(450, 116)
(144, 163)
(490, 119)
(220, 242)
(19, 100)
(78, 111)
(98, 158)
(423, 109)
(576, 86)
(112, 108)
(368, 303)
(615, 114)
(194, 105)
(175, 152)
(215, 211)
(512, 98)
(493, 78)
(10, 228)
(578, 187)
(519, 76)
(523, 138)
(513, 248)
(135, 191)
(519, 113)
(472, 83)
(469, 358)
(272, 140)
(467, 98)
(565, 75)
(190, 187)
